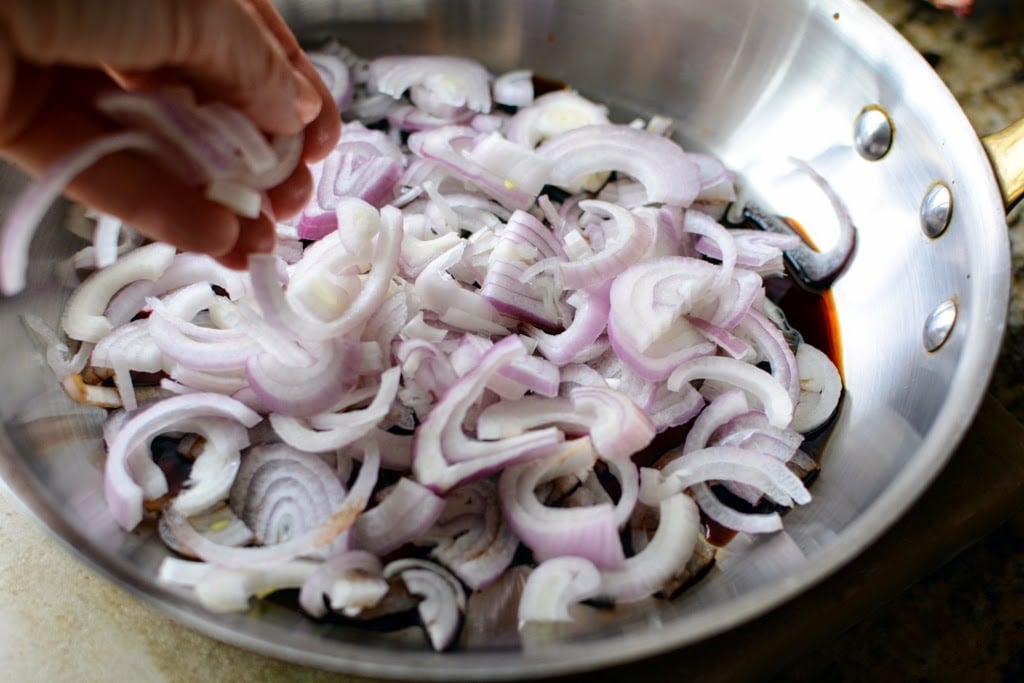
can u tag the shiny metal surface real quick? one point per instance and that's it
(872, 132)
(754, 82)
(936, 210)
(813, 268)
(939, 325)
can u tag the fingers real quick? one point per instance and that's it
(322, 133)
(288, 198)
(23, 90)
(255, 236)
(239, 51)
(127, 185)
(223, 46)
(158, 205)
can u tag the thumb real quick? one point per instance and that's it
(221, 46)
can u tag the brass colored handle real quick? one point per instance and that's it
(1006, 151)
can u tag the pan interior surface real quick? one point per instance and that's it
(757, 84)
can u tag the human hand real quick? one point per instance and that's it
(56, 55)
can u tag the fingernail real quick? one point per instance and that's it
(309, 102)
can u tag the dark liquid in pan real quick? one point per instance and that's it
(814, 316)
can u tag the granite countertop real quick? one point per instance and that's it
(965, 621)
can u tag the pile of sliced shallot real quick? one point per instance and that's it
(450, 373)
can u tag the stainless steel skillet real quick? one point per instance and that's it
(921, 312)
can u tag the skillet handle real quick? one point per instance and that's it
(1006, 151)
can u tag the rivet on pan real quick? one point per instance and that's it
(939, 324)
(872, 132)
(936, 209)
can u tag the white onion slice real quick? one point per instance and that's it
(241, 199)
(820, 389)
(281, 493)
(282, 314)
(220, 525)
(123, 493)
(773, 348)
(213, 472)
(351, 582)
(758, 383)
(444, 457)
(336, 430)
(336, 75)
(662, 292)
(720, 410)
(471, 537)
(631, 236)
(590, 532)
(554, 585)
(588, 323)
(662, 558)
(727, 463)
(314, 540)
(105, 239)
(28, 210)
(404, 515)
(616, 426)
(667, 173)
(84, 314)
(513, 88)
(231, 589)
(551, 114)
(292, 390)
(743, 522)
(443, 600)
(451, 81)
